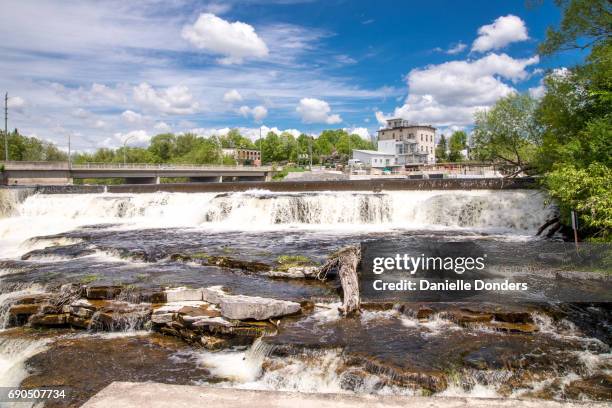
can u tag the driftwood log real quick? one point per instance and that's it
(344, 263)
(547, 224)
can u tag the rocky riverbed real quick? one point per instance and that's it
(118, 289)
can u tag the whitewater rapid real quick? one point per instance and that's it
(514, 212)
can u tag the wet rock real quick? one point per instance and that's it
(424, 313)
(48, 320)
(352, 380)
(162, 318)
(466, 317)
(25, 309)
(295, 272)
(514, 327)
(213, 294)
(102, 292)
(214, 343)
(241, 307)
(183, 294)
(513, 317)
(78, 322)
(598, 387)
(222, 261)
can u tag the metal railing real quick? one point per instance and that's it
(130, 166)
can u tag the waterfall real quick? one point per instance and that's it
(517, 211)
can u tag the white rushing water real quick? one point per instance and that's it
(515, 212)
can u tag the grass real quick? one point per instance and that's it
(286, 170)
(89, 279)
(289, 261)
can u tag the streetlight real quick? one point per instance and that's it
(125, 147)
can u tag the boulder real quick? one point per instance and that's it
(24, 309)
(49, 319)
(213, 294)
(162, 318)
(183, 294)
(240, 307)
(102, 292)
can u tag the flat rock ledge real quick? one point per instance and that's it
(156, 395)
(208, 317)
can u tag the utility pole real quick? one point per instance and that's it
(260, 148)
(310, 151)
(6, 156)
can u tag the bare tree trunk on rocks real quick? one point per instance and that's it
(547, 224)
(345, 262)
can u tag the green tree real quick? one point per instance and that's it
(163, 147)
(576, 117)
(585, 23)
(508, 132)
(441, 155)
(588, 191)
(457, 143)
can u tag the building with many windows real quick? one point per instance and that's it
(401, 144)
(244, 156)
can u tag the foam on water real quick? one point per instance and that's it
(519, 212)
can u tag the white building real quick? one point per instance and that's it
(401, 144)
(375, 158)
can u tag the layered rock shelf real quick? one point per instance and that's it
(209, 317)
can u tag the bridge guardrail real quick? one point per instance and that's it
(128, 166)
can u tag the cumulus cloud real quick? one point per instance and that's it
(131, 116)
(174, 100)
(251, 133)
(503, 31)
(106, 92)
(449, 93)
(162, 127)
(235, 41)
(313, 110)
(258, 112)
(138, 137)
(232, 96)
(361, 131)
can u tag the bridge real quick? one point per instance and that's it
(53, 173)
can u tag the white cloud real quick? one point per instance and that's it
(106, 92)
(314, 110)
(162, 127)
(503, 31)
(453, 49)
(449, 93)
(80, 113)
(537, 92)
(236, 41)
(258, 112)
(380, 118)
(232, 96)
(131, 116)
(361, 131)
(251, 133)
(174, 100)
(138, 137)
(16, 102)
(100, 124)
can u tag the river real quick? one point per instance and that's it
(555, 350)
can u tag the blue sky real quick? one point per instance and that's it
(103, 71)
